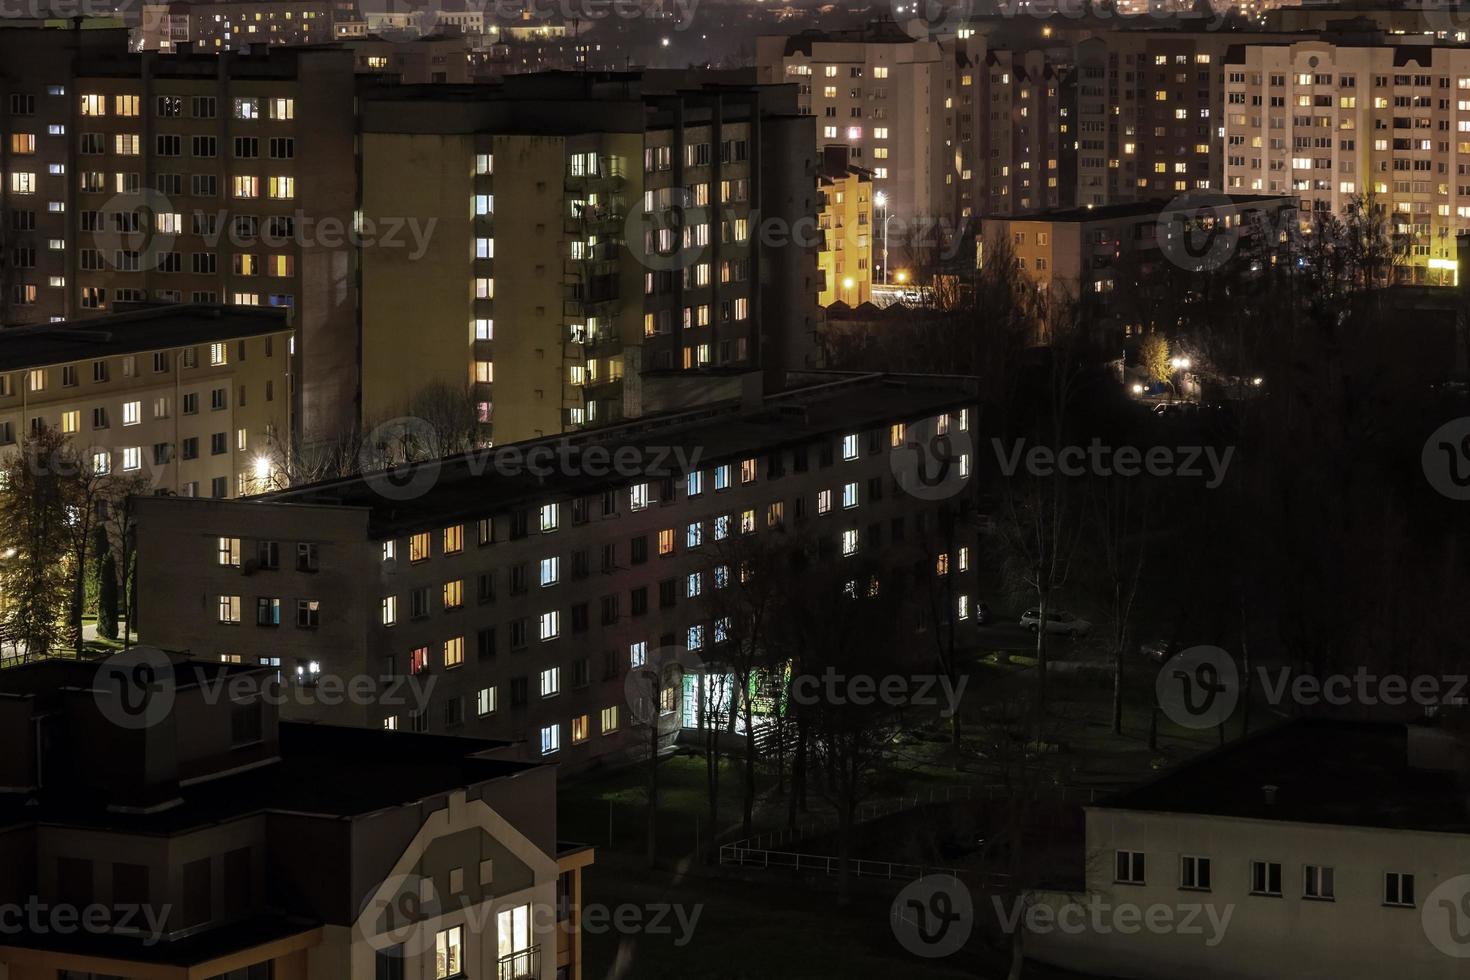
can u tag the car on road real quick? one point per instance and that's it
(1158, 651)
(1057, 621)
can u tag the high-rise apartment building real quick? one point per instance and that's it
(183, 178)
(882, 94)
(949, 127)
(644, 229)
(518, 587)
(1332, 123)
(849, 247)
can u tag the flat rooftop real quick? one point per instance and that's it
(1344, 773)
(478, 483)
(330, 770)
(144, 329)
(1140, 209)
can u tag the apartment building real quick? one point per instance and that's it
(201, 836)
(1018, 133)
(951, 127)
(1331, 850)
(636, 203)
(1093, 253)
(183, 178)
(191, 397)
(233, 25)
(849, 253)
(1332, 123)
(520, 586)
(880, 93)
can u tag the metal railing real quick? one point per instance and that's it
(738, 855)
(521, 964)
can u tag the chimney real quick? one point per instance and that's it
(1269, 791)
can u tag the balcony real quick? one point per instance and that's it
(522, 965)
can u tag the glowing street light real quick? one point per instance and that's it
(881, 201)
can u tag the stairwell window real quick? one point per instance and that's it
(1266, 878)
(1398, 889)
(1318, 883)
(1194, 873)
(1129, 868)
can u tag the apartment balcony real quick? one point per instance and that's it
(609, 177)
(522, 965)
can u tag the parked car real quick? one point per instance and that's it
(1158, 650)
(1057, 621)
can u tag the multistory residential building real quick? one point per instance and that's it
(1338, 123)
(647, 226)
(849, 249)
(191, 397)
(232, 25)
(1094, 254)
(1336, 846)
(183, 178)
(187, 831)
(519, 586)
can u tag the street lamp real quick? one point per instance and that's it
(881, 200)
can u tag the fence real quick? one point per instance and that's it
(881, 808)
(738, 855)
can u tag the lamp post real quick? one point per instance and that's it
(881, 200)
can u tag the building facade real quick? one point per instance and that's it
(189, 397)
(1333, 846)
(182, 25)
(523, 597)
(850, 254)
(217, 840)
(637, 209)
(1335, 123)
(201, 178)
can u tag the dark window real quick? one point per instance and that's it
(579, 618)
(245, 723)
(485, 640)
(198, 895)
(640, 600)
(517, 691)
(666, 593)
(640, 549)
(609, 610)
(239, 882)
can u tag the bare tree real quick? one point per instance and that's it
(34, 537)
